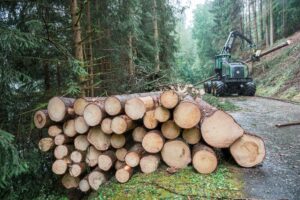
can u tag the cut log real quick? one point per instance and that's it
(94, 113)
(149, 163)
(169, 99)
(204, 159)
(249, 150)
(69, 181)
(62, 151)
(114, 105)
(149, 120)
(81, 103)
(187, 114)
(46, 144)
(96, 178)
(81, 143)
(106, 160)
(84, 185)
(218, 129)
(117, 141)
(77, 156)
(162, 114)
(124, 174)
(137, 107)
(176, 153)
(153, 141)
(81, 126)
(119, 164)
(121, 124)
(60, 108)
(121, 153)
(106, 126)
(77, 169)
(62, 139)
(138, 134)
(170, 130)
(54, 130)
(192, 135)
(41, 119)
(92, 156)
(134, 155)
(100, 140)
(60, 167)
(69, 128)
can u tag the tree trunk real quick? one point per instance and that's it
(249, 150)
(106, 125)
(255, 21)
(124, 174)
(62, 139)
(271, 23)
(155, 37)
(261, 20)
(176, 153)
(204, 159)
(149, 120)
(46, 144)
(100, 140)
(46, 76)
(170, 130)
(41, 119)
(131, 67)
(81, 143)
(283, 17)
(249, 19)
(69, 181)
(94, 113)
(121, 153)
(92, 156)
(169, 99)
(191, 136)
(96, 178)
(69, 128)
(134, 155)
(267, 24)
(117, 141)
(138, 134)
(81, 126)
(149, 163)
(162, 114)
(153, 141)
(54, 130)
(90, 48)
(60, 108)
(122, 124)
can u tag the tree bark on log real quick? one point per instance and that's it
(69, 181)
(100, 140)
(192, 135)
(249, 150)
(41, 119)
(117, 141)
(96, 178)
(60, 108)
(54, 130)
(106, 125)
(204, 159)
(92, 156)
(46, 144)
(149, 120)
(94, 113)
(149, 163)
(153, 141)
(62, 139)
(134, 155)
(122, 124)
(170, 130)
(69, 128)
(176, 153)
(124, 174)
(218, 128)
(121, 153)
(81, 143)
(106, 160)
(162, 114)
(169, 99)
(81, 126)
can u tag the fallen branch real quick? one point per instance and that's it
(287, 124)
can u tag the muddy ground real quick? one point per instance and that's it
(279, 175)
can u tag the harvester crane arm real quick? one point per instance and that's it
(230, 41)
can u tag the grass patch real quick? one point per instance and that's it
(185, 183)
(221, 104)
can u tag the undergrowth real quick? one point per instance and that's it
(220, 103)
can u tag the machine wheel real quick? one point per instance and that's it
(207, 87)
(250, 89)
(219, 88)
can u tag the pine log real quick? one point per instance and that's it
(187, 114)
(117, 141)
(60, 167)
(54, 130)
(121, 124)
(94, 113)
(149, 163)
(134, 155)
(192, 135)
(92, 156)
(69, 181)
(119, 164)
(81, 143)
(124, 174)
(153, 141)
(218, 129)
(41, 119)
(77, 169)
(96, 178)
(204, 159)
(62, 151)
(121, 153)
(169, 99)
(77, 156)
(170, 130)
(106, 160)
(84, 185)
(100, 140)
(106, 125)
(149, 120)
(137, 107)
(138, 134)
(62, 139)
(176, 153)
(46, 144)
(82, 102)
(60, 108)
(69, 128)
(81, 126)
(114, 105)
(162, 114)
(249, 150)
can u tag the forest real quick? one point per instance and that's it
(100, 48)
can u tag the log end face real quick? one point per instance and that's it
(169, 99)
(96, 178)
(69, 128)
(104, 162)
(106, 126)
(40, 119)
(135, 108)
(149, 120)
(81, 126)
(205, 162)
(162, 114)
(112, 106)
(84, 185)
(79, 106)
(191, 136)
(59, 167)
(57, 109)
(122, 175)
(69, 181)
(153, 142)
(92, 114)
(132, 159)
(170, 130)
(119, 125)
(187, 115)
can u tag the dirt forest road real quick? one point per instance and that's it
(279, 175)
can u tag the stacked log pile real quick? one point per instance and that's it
(94, 139)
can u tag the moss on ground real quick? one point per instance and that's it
(185, 184)
(220, 103)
